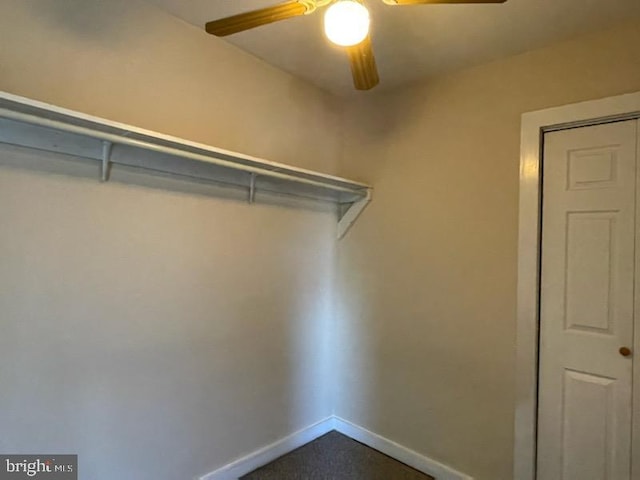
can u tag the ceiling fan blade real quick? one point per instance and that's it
(363, 65)
(424, 2)
(256, 18)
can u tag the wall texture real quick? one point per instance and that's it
(130, 62)
(158, 328)
(426, 318)
(163, 329)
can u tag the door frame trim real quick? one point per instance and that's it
(533, 127)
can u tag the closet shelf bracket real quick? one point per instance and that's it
(252, 188)
(351, 213)
(106, 160)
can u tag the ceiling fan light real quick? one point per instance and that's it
(346, 23)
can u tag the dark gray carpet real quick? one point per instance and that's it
(335, 457)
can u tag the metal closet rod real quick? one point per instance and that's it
(117, 139)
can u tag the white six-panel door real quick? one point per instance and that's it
(587, 303)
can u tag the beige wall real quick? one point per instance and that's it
(428, 275)
(158, 328)
(144, 321)
(127, 61)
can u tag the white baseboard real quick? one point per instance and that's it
(266, 454)
(409, 457)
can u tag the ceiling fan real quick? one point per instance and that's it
(346, 23)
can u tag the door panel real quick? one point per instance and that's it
(590, 271)
(588, 424)
(587, 303)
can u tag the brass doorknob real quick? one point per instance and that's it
(625, 352)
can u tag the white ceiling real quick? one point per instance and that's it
(410, 42)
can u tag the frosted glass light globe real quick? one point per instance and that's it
(346, 23)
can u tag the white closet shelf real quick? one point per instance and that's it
(29, 123)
